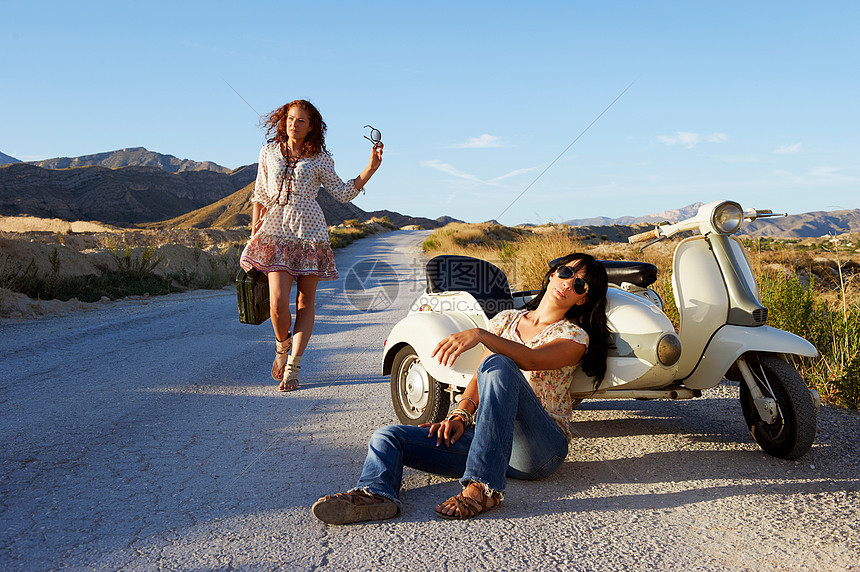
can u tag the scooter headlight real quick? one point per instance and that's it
(727, 217)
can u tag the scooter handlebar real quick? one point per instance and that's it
(643, 236)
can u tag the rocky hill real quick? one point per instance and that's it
(235, 210)
(131, 157)
(123, 196)
(7, 159)
(806, 225)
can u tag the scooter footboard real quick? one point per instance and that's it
(422, 331)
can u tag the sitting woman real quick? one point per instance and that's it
(512, 419)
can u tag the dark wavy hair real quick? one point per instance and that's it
(276, 127)
(590, 316)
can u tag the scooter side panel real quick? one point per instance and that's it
(636, 325)
(730, 342)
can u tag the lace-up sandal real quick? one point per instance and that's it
(282, 351)
(291, 374)
(357, 506)
(467, 507)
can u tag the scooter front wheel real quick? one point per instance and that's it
(791, 431)
(416, 395)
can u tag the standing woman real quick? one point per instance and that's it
(289, 237)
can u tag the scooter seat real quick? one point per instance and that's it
(640, 274)
(485, 281)
(617, 271)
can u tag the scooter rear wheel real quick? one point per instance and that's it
(416, 395)
(792, 431)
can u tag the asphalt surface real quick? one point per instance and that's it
(147, 435)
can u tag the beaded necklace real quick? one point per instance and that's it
(290, 168)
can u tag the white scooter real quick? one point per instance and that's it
(722, 334)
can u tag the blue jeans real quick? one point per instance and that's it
(513, 436)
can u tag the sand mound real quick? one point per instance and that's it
(211, 262)
(16, 255)
(16, 306)
(35, 224)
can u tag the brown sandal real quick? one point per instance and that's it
(358, 506)
(290, 382)
(282, 351)
(467, 507)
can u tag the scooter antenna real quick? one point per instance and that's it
(565, 149)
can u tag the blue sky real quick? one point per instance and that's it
(756, 101)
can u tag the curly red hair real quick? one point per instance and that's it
(276, 127)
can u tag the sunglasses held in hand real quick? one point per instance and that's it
(580, 286)
(375, 135)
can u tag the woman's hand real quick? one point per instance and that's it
(372, 166)
(448, 431)
(257, 218)
(256, 227)
(376, 157)
(451, 347)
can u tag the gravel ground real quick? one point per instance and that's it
(145, 435)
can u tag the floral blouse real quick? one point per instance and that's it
(550, 386)
(294, 236)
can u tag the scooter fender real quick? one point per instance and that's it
(422, 331)
(731, 342)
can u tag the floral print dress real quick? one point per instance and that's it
(294, 236)
(550, 386)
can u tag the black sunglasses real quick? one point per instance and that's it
(375, 135)
(580, 286)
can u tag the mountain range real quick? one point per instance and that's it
(123, 196)
(131, 157)
(673, 215)
(135, 186)
(806, 225)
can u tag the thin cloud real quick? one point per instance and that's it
(449, 170)
(787, 149)
(819, 176)
(690, 140)
(453, 171)
(484, 141)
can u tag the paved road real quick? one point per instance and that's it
(147, 435)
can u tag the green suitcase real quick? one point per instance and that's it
(252, 293)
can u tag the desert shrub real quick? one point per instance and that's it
(341, 237)
(89, 288)
(791, 306)
(130, 266)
